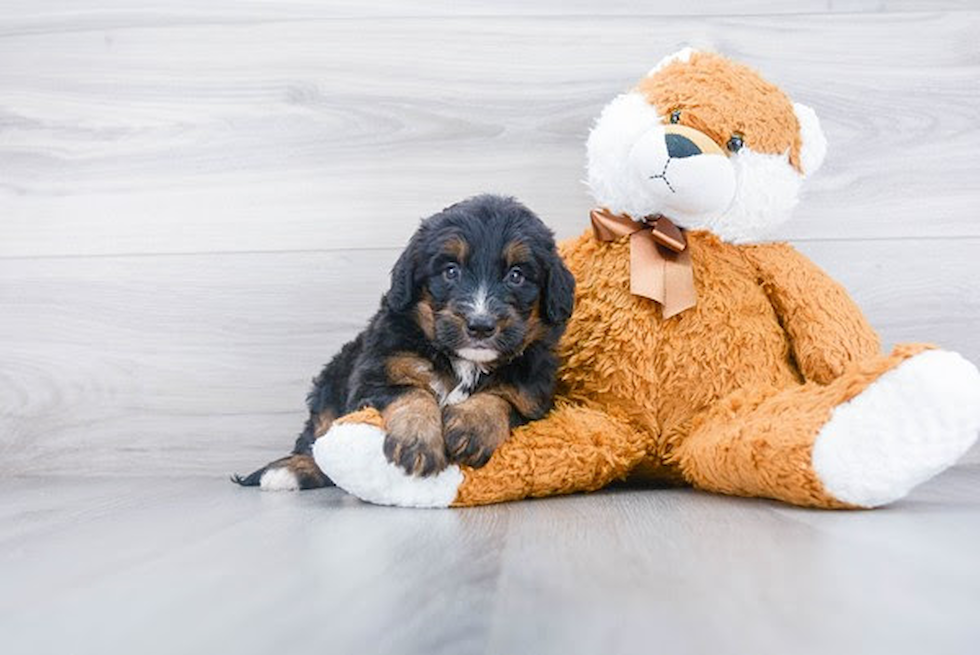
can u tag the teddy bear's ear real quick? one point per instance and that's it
(681, 55)
(814, 142)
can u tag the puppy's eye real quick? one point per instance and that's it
(675, 116)
(515, 277)
(450, 273)
(735, 143)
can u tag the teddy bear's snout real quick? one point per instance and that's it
(679, 146)
(682, 173)
(683, 141)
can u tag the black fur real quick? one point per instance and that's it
(357, 376)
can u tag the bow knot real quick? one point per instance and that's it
(660, 262)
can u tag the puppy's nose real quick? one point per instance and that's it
(481, 326)
(679, 146)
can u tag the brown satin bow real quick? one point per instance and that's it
(660, 263)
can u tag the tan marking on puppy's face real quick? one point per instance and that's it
(535, 328)
(457, 248)
(532, 328)
(516, 252)
(425, 316)
(722, 98)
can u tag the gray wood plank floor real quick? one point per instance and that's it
(194, 565)
(199, 202)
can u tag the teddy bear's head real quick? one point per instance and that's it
(706, 142)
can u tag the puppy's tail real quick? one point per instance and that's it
(292, 473)
(250, 480)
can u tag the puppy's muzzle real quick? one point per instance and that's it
(480, 326)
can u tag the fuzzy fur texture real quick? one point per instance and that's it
(773, 385)
(466, 333)
(814, 143)
(893, 426)
(740, 197)
(354, 454)
(279, 479)
(611, 179)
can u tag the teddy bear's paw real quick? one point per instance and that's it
(352, 455)
(911, 423)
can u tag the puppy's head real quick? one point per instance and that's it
(483, 280)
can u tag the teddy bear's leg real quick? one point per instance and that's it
(572, 449)
(864, 440)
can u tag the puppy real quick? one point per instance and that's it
(461, 350)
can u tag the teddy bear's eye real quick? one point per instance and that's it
(675, 116)
(735, 143)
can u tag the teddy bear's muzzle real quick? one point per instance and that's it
(679, 146)
(683, 141)
(681, 173)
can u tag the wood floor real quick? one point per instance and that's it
(195, 565)
(200, 202)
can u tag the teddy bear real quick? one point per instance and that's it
(699, 353)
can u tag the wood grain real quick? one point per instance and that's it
(199, 203)
(200, 363)
(334, 134)
(193, 565)
(31, 16)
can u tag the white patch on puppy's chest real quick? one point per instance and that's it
(468, 373)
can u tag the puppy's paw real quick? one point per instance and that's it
(474, 428)
(414, 440)
(417, 454)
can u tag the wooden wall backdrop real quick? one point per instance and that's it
(199, 202)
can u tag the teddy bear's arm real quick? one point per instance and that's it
(827, 329)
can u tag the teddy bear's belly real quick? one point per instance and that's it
(621, 356)
(737, 343)
(679, 366)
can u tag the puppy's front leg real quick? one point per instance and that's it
(414, 440)
(475, 427)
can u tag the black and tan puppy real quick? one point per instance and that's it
(461, 350)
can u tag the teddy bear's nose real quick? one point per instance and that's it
(680, 146)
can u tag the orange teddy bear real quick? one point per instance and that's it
(696, 353)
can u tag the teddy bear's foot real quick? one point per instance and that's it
(908, 425)
(351, 453)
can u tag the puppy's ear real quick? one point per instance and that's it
(559, 292)
(402, 293)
